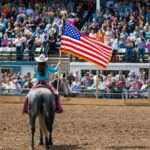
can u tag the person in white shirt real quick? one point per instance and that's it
(18, 43)
(38, 41)
(27, 30)
(16, 87)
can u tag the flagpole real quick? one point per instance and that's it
(59, 59)
(97, 83)
(59, 69)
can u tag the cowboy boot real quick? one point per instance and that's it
(25, 107)
(58, 105)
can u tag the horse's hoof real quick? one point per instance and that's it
(31, 147)
(41, 143)
(68, 99)
(47, 148)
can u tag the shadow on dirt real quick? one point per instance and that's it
(127, 147)
(66, 147)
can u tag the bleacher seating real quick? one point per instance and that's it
(9, 53)
(122, 51)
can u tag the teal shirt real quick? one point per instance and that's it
(47, 70)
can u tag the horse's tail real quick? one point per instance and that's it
(40, 107)
(45, 118)
(40, 104)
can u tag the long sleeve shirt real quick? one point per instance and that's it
(46, 75)
(140, 43)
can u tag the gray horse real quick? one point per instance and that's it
(42, 105)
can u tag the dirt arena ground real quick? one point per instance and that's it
(80, 127)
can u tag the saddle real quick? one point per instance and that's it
(26, 103)
(41, 84)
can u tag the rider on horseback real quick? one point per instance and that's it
(42, 74)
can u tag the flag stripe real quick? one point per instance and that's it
(95, 46)
(84, 57)
(67, 40)
(83, 51)
(83, 54)
(97, 42)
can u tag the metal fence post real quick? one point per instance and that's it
(0, 80)
(97, 91)
(149, 83)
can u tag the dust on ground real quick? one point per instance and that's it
(80, 127)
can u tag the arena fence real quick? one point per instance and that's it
(116, 94)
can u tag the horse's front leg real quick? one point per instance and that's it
(32, 142)
(32, 123)
(46, 143)
(41, 138)
(50, 139)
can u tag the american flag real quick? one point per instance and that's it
(85, 47)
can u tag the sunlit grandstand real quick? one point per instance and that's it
(31, 28)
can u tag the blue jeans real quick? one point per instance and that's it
(128, 54)
(31, 51)
(19, 53)
(139, 53)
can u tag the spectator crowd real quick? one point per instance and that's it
(111, 85)
(28, 25)
(15, 83)
(125, 26)
(108, 85)
(122, 24)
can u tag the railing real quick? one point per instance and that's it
(85, 93)
(114, 94)
(10, 92)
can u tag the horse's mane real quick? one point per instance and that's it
(54, 83)
(61, 85)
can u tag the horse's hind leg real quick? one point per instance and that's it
(41, 138)
(49, 123)
(46, 142)
(50, 138)
(32, 123)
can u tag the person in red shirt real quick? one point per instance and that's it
(135, 87)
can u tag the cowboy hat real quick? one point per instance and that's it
(41, 58)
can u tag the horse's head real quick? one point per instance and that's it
(63, 86)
